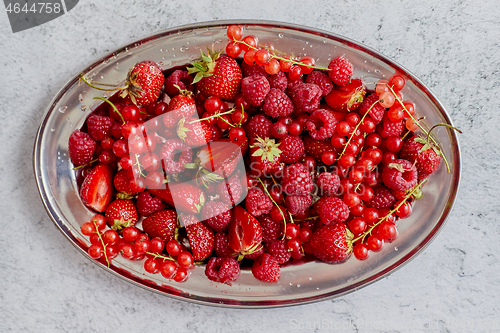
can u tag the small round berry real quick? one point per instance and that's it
(272, 67)
(374, 243)
(293, 245)
(168, 269)
(295, 73)
(360, 251)
(387, 231)
(96, 251)
(387, 99)
(173, 247)
(397, 82)
(181, 275)
(292, 230)
(185, 259)
(152, 265)
(156, 245)
(213, 104)
(328, 157)
(234, 32)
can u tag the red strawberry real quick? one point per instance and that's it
(161, 224)
(193, 132)
(292, 149)
(258, 126)
(99, 126)
(217, 75)
(184, 197)
(341, 71)
(122, 184)
(265, 157)
(277, 104)
(332, 243)
(346, 98)
(266, 268)
(255, 89)
(220, 157)
(121, 213)
(244, 232)
(96, 191)
(331, 210)
(147, 204)
(144, 83)
(180, 106)
(418, 151)
(201, 238)
(258, 202)
(316, 148)
(81, 147)
(223, 270)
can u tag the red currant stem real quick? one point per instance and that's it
(87, 164)
(281, 58)
(242, 116)
(112, 105)
(218, 114)
(157, 255)
(308, 219)
(102, 242)
(139, 165)
(89, 83)
(367, 232)
(276, 204)
(354, 131)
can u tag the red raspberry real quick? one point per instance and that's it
(99, 126)
(296, 180)
(148, 205)
(216, 214)
(316, 148)
(328, 184)
(382, 198)
(230, 191)
(331, 210)
(341, 71)
(279, 250)
(321, 124)
(426, 161)
(332, 243)
(400, 175)
(376, 112)
(258, 202)
(266, 268)
(255, 89)
(221, 245)
(306, 97)
(258, 126)
(292, 149)
(169, 150)
(277, 104)
(278, 81)
(321, 80)
(256, 254)
(387, 128)
(179, 78)
(253, 70)
(222, 269)
(271, 229)
(296, 204)
(81, 147)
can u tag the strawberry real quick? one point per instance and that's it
(332, 243)
(193, 132)
(244, 232)
(220, 157)
(161, 224)
(144, 83)
(96, 191)
(217, 75)
(348, 97)
(122, 184)
(266, 268)
(201, 238)
(265, 156)
(316, 148)
(185, 197)
(81, 147)
(121, 213)
(417, 150)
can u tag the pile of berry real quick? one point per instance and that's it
(330, 165)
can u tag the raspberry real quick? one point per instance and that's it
(328, 184)
(179, 78)
(258, 126)
(258, 202)
(253, 70)
(296, 180)
(321, 124)
(221, 245)
(321, 80)
(341, 71)
(306, 97)
(277, 104)
(292, 85)
(292, 149)
(278, 81)
(81, 147)
(296, 204)
(256, 254)
(255, 89)
(216, 215)
(279, 250)
(148, 205)
(331, 210)
(169, 150)
(316, 148)
(388, 128)
(271, 229)
(266, 268)
(382, 198)
(400, 175)
(222, 269)
(230, 191)
(376, 112)
(99, 126)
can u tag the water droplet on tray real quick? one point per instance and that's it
(63, 109)
(280, 35)
(184, 48)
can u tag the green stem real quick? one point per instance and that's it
(102, 242)
(276, 204)
(89, 83)
(114, 107)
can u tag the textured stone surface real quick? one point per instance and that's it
(453, 286)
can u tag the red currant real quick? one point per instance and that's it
(152, 265)
(168, 269)
(360, 251)
(156, 245)
(397, 82)
(374, 243)
(234, 32)
(185, 259)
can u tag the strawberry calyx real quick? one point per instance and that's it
(204, 66)
(120, 224)
(132, 88)
(267, 149)
(182, 130)
(357, 97)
